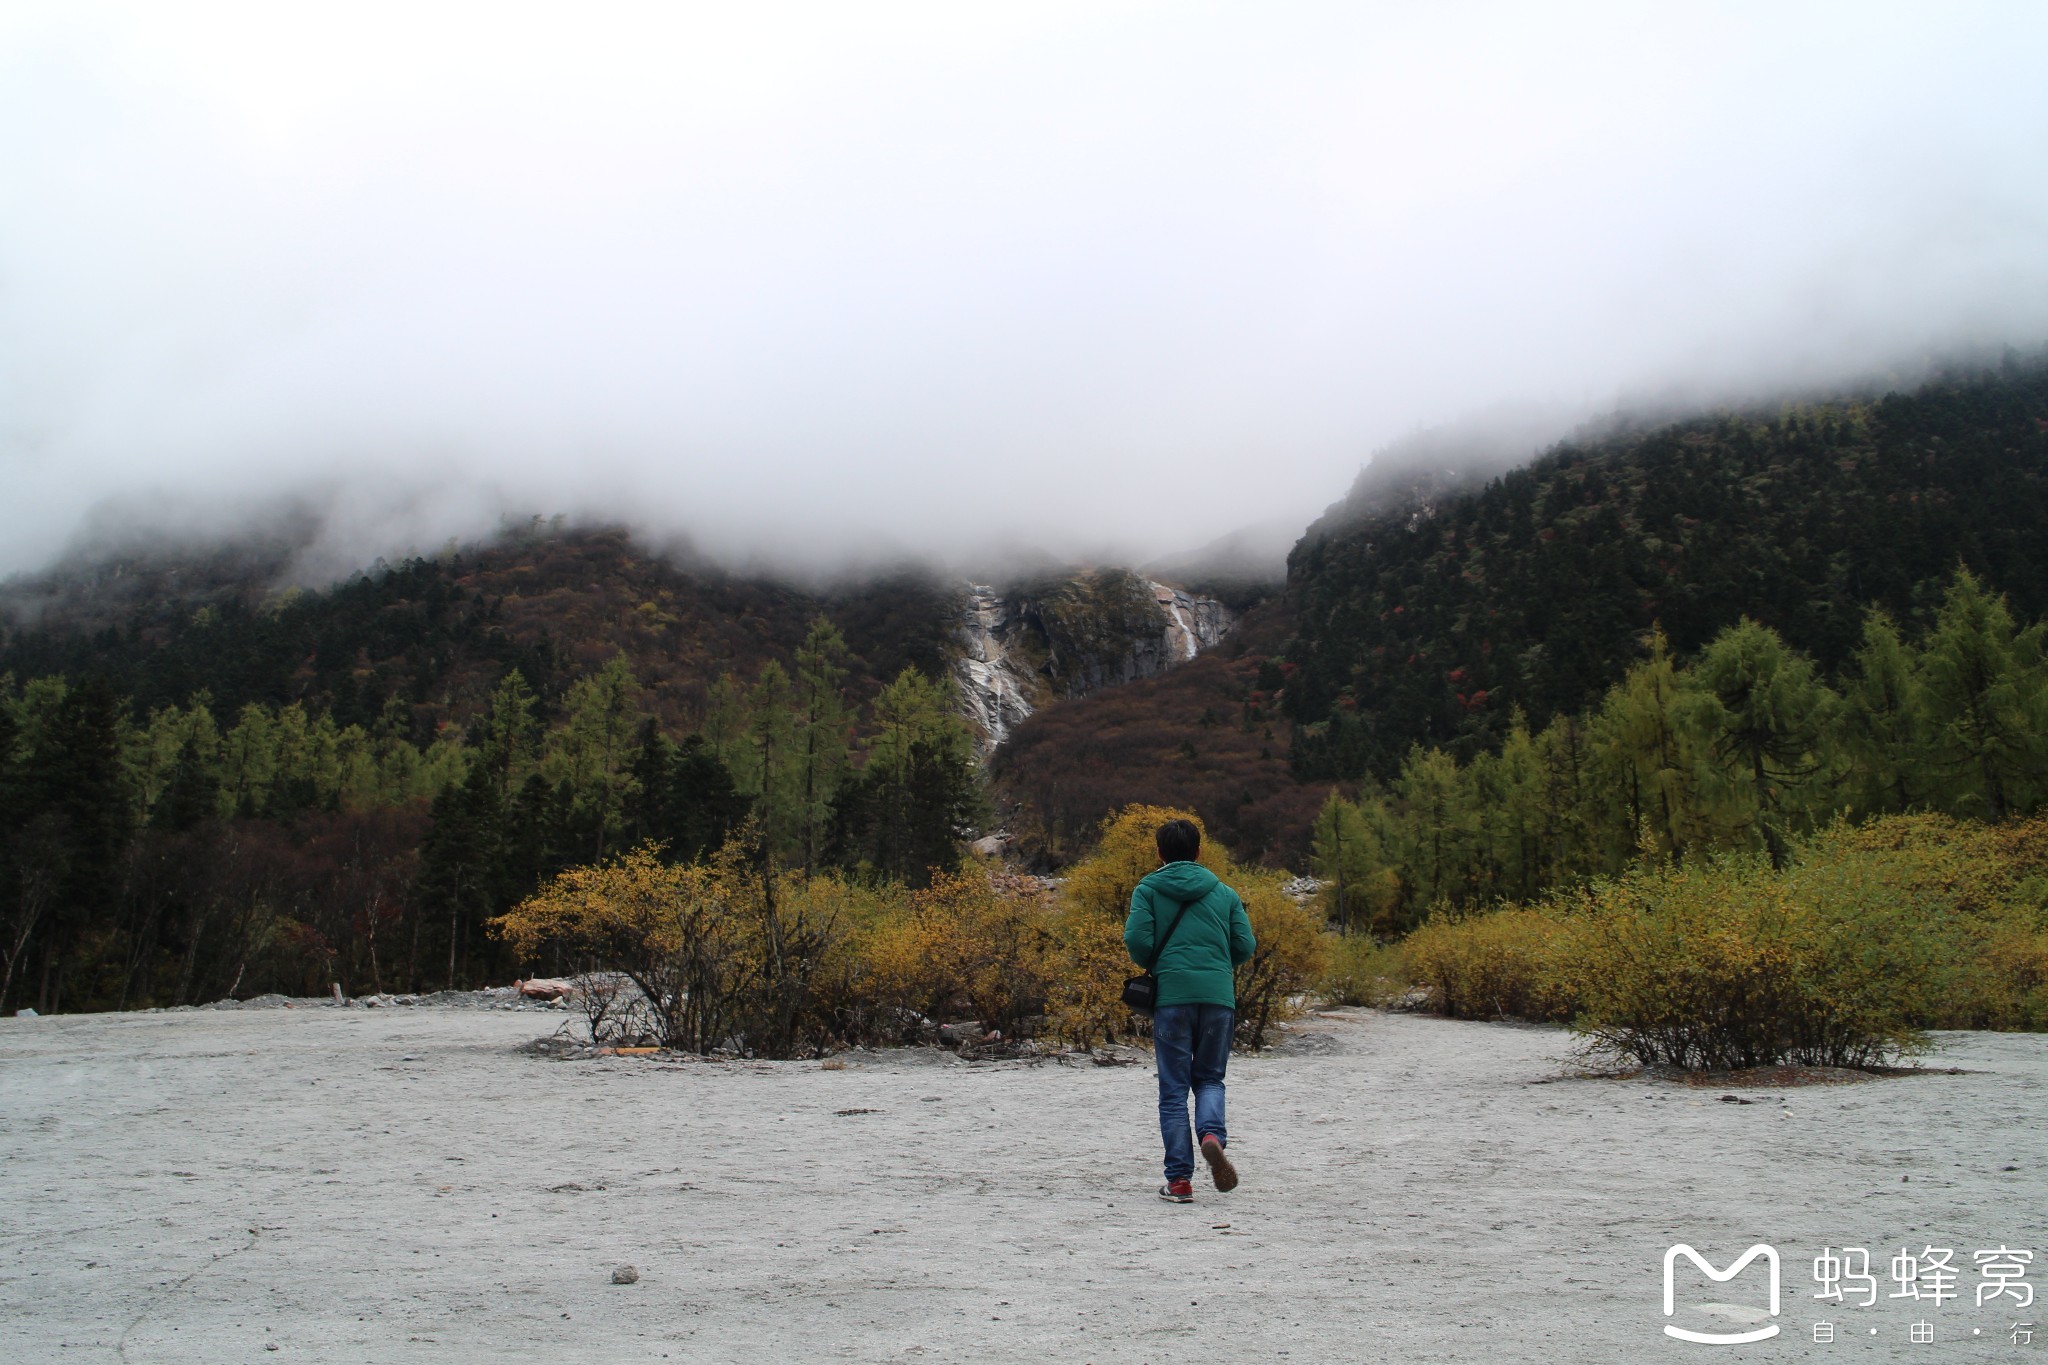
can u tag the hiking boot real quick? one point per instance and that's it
(1220, 1169)
(1178, 1192)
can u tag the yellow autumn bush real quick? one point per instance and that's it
(1086, 996)
(1729, 965)
(1872, 936)
(1293, 955)
(1494, 966)
(971, 945)
(1982, 888)
(1362, 971)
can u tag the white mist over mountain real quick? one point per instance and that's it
(818, 282)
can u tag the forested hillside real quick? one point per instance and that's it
(1539, 590)
(1711, 635)
(1440, 629)
(1195, 737)
(434, 636)
(209, 785)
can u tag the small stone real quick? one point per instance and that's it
(625, 1274)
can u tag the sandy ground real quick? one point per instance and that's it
(394, 1185)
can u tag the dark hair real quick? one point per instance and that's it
(1179, 841)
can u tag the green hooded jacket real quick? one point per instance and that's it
(1213, 936)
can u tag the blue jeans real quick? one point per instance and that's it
(1191, 1047)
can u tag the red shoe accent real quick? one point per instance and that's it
(1178, 1192)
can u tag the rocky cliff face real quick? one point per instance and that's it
(1022, 646)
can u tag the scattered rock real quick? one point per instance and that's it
(557, 1048)
(1735, 1099)
(544, 988)
(963, 1034)
(1117, 1054)
(26, 1013)
(625, 1274)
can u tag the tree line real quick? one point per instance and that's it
(1744, 748)
(172, 856)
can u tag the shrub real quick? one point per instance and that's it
(1362, 971)
(970, 943)
(1086, 996)
(1292, 956)
(1873, 935)
(1727, 965)
(850, 995)
(724, 952)
(1497, 966)
(1982, 888)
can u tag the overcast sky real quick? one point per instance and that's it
(818, 279)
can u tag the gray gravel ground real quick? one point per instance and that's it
(396, 1185)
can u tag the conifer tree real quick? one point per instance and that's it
(510, 730)
(1763, 714)
(918, 793)
(462, 863)
(771, 766)
(1984, 690)
(1883, 720)
(593, 747)
(823, 733)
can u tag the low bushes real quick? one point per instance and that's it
(1292, 954)
(1497, 966)
(1730, 965)
(1292, 957)
(969, 945)
(1361, 970)
(1872, 936)
(725, 954)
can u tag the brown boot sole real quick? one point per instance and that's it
(1220, 1169)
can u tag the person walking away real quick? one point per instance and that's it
(1190, 931)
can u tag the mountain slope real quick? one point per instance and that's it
(1427, 620)
(438, 634)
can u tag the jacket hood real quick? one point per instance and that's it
(1182, 881)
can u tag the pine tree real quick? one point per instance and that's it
(462, 863)
(1984, 689)
(1648, 755)
(917, 795)
(770, 768)
(510, 731)
(1362, 891)
(1883, 720)
(593, 746)
(823, 733)
(1763, 714)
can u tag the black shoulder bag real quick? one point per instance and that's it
(1141, 993)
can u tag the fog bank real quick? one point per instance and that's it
(814, 283)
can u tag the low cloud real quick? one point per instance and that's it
(818, 283)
